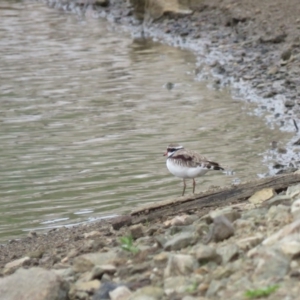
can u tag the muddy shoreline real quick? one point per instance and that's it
(254, 49)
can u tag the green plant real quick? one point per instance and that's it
(192, 287)
(127, 244)
(260, 293)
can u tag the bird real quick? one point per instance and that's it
(184, 163)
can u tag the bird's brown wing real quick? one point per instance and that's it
(193, 159)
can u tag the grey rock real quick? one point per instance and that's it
(36, 254)
(228, 252)
(98, 271)
(121, 221)
(83, 287)
(33, 284)
(223, 271)
(180, 264)
(271, 264)
(177, 229)
(232, 216)
(32, 234)
(103, 292)
(286, 54)
(176, 284)
(289, 103)
(290, 246)
(137, 231)
(161, 240)
(120, 293)
(204, 253)
(295, 209)
(278, 199)
(293, 191)
(279, 213)
(219, 212)
(148, 293)
(201, 229)
(92, 234)
(242, 283)
(153, 229)
(182, 220)
(161, 258)
(242, 224)
(222, 229)
(67, 274)
(101, 2)
(181, 240)
(86, 262)
(248, 243)
(139, 268)
(90, 245)
(214, 287)
(228, 212)
(142, 297)
(15, 264)
(255, 214)
(145, 241)
(126, 270)
(293, 228)
(189, 298)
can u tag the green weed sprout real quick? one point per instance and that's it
(127, 244)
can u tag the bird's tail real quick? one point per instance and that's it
(214, 166)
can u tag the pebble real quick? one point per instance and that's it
(15, 264)
(205, 253)
(86, 262)
(293, 191)
(271, 265)
(295, 209)
(248, 243)
(137, 231)
(285, 231)
(120, 293)
(222, 229)
(262, 195)
(181, 240)
(228, 252)
(180, 264)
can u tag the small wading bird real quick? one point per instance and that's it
(184, 163)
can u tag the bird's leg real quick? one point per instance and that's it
(184, 185)
(194, 185)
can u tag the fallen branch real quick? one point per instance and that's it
(212, 198)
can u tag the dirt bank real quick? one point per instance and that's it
(240, 251)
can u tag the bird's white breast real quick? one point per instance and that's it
(182, 171)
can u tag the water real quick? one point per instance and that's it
(86, 116)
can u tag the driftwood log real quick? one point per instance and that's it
(212, 198)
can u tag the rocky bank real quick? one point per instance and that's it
(242, 251)
(245, 250)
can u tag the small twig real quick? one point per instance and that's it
(296, 126)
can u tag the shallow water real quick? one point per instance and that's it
(86, 116)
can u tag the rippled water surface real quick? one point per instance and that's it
(86, 116)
